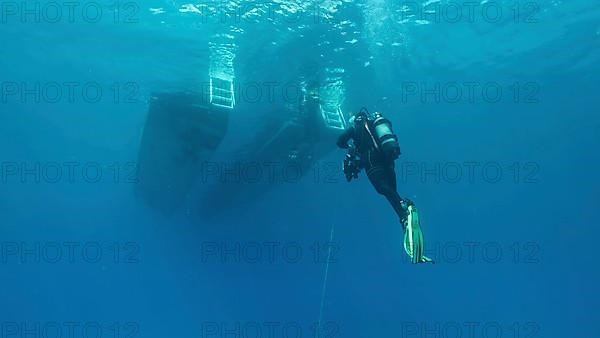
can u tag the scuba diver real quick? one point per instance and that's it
(374, 148)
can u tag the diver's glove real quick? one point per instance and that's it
(341, 143)
(414, 244)
(351, 165)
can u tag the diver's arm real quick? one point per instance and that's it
(343, 139)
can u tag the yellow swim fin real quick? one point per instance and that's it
(414, 244)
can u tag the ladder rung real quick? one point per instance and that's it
(217, 99)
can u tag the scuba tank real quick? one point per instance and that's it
(388, 141)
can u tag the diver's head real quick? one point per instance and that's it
(361, 116)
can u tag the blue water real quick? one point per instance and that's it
(516, 252)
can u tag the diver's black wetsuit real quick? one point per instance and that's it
(380, 169)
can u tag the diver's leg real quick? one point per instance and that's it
(384, 181)
(393, 197)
